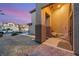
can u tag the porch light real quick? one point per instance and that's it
(58, 6)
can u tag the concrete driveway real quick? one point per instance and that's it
(17, 45)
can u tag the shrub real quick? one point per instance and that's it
(15, 33)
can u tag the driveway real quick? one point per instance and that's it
(17, 45)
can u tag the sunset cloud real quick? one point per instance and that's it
(18, 11)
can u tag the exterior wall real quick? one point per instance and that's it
(60, 22)
(38, 25)
(45, 11)
(33, 17)
(76, 28)
(60, 19)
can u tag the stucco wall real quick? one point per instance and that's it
(38, 25)
(60, 19)
(76, 28)
(43, 16)
(45, 11)
(33, 17)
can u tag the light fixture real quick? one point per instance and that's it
(58, 6)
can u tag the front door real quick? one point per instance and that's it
(48, 31)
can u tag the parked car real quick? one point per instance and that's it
(1, 34)
(4, 31)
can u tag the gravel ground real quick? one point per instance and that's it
(17, 45)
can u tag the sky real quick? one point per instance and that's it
(16, 12)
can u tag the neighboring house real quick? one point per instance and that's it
(10, 27)
(58, 20)
(23, 27)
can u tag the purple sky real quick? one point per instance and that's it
(16, 12)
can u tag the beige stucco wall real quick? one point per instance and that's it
(60, 19)
(43, 16)
(43, 11)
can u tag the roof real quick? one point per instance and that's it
(33, 10)
(29, 24)
(41, 8)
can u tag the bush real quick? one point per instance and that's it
(19, 32)
(15, 33)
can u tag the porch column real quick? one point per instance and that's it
(39, 29)
(76, 29)
(38, 24)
